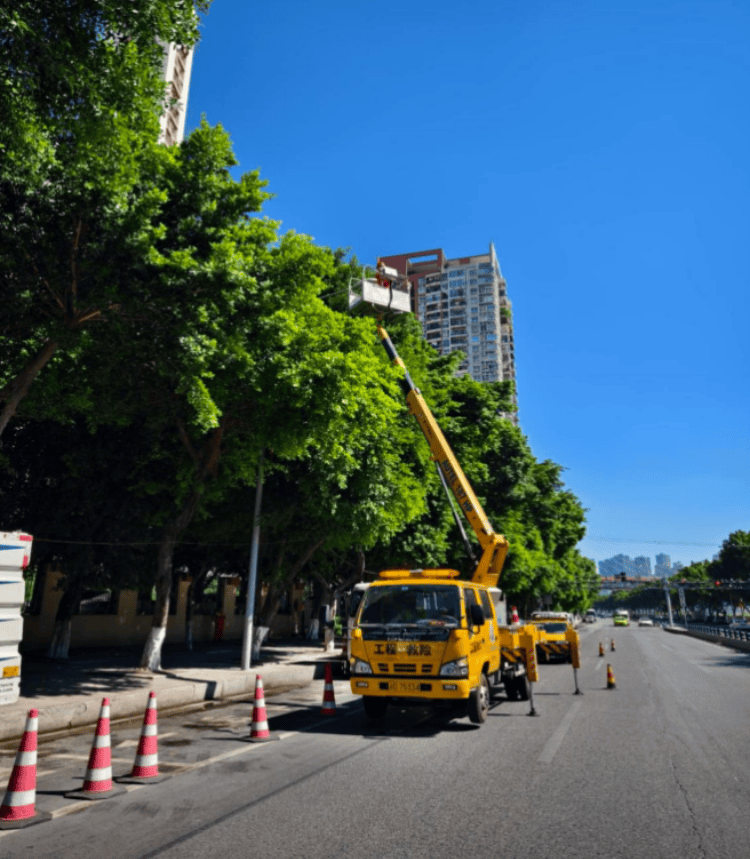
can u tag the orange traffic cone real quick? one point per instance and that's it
(601, 649)
(97, 784)
(18, 808)
(329, 699)
(146, 767)
(610, 677)
(612, 645)
(259, 733)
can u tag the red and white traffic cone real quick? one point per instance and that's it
(329, 699)
(259, 733)
(146, 766)
(18, 808)
(97, 784)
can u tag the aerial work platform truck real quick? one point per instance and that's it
(425, 635)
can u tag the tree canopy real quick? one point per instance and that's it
(181, 337)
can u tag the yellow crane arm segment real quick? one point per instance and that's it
(494, 546)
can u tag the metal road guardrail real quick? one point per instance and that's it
(722, 631)
(730, 632)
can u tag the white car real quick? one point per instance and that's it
(645, 621)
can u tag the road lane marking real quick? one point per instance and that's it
(554, 742)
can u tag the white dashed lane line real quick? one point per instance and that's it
(555, 741)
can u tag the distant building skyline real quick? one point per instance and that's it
(639, 567)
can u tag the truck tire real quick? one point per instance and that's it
(522, 687)
(479, 701)
(375, 707)
(511, 687)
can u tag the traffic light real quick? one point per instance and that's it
(717, 584)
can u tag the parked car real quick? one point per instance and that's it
(645, 621)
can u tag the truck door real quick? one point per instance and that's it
(492, 621)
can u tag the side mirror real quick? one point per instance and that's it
(476, 614)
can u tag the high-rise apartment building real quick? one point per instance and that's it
(178, 64)
(663, 566)
(463, 304)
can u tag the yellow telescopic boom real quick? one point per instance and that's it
(494, 546)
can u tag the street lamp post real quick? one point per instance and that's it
(247, 636)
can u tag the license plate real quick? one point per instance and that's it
(11, 671)
(405, 686)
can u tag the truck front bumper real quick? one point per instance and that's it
(445, 688)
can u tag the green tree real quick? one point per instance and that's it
(734, 558)
(80, 108)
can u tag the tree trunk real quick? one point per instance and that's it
(151, 657)
(273, 598)
(16, 390)
(59, 646)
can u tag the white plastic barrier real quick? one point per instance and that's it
(15, 552)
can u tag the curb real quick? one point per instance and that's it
(130, 704)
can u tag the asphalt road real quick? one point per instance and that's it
(658, 767)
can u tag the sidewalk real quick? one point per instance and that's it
(69, 694)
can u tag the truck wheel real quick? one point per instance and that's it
(479, 701)
(511, 688)
(375, 707)
(522, 687)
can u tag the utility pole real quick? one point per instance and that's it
(669, 601)
(247, 636)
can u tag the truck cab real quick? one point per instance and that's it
(424, 635)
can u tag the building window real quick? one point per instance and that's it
(459, 272)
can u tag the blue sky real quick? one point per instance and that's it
(602, 147)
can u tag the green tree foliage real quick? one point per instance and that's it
(80, 104)
(734, 558)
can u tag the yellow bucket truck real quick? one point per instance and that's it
(424, 635)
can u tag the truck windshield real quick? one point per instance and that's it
(553, 627)
(429, 605)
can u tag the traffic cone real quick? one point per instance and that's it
(259, 733)
(146, 767)
(601, 649)
(610, 677)
(612, 645)
(18, 808)
(97, 784)
(329, 699)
